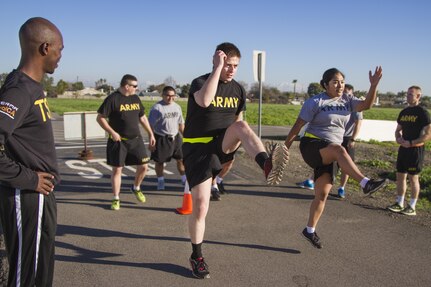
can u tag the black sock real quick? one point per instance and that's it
(261, 158)
(197, 251)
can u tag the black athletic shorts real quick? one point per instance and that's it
(204, 160)
(167, 147)
(310, 150)
(126, 152)
(410, 160)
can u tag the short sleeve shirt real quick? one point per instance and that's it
(412, 121)
(327, 117)
(229, 102)
(123, 113)
(165, 118)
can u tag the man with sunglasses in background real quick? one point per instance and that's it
(120, 115)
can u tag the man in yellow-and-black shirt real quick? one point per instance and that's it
(28, 160)
(120, 115)
(214, 130)
(413, 130)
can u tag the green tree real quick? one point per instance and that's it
(47, 84)
(314, 89)
(294, 87)
(3, 77)
(77, 86)
(61, 87)
(270, 94)
(185, 89)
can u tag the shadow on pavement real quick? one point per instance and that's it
(97, 257)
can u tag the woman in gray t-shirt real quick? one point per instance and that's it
(327, 115)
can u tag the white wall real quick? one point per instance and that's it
(377, 130)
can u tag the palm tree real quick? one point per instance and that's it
(294, 87)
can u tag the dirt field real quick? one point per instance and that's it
(298, 170)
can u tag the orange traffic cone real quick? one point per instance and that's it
(187, 201)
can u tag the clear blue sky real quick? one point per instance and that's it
(155, 40)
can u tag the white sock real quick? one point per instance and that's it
(311, 229)
(364, 181)
(219, 179)
(400, 200)
(183, 178)
(136, 187)
(413, 202)
(214, 186)
(162, 178)
(117, 197)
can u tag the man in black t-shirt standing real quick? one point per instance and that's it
(412, 132)
(120, 115)
(214, 130)
(28, 160)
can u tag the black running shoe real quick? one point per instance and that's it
(374, 185)
(215, 194)
(199, 268)
(313, 238)
(221, 188)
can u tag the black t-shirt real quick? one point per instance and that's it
(123, 113)
(228, 102)
(412, 121)
(26, 137)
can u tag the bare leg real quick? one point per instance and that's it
(402, 184)
(343, 179)
(116, 180)
(180, 167)
(414, 185)
(240, 132)
(334, 152)
(227, 166)
(159, 167)
(201, 199)
(141, 170)
(322, 188)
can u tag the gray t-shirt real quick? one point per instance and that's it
(165, 118)
(327, 117)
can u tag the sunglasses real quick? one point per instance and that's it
(135, 86)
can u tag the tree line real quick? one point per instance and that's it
(270, 94)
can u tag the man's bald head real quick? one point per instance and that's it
(36, 31)
(41, 45)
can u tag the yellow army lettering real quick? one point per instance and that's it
(131, 107)
(411, 119)
(227, 102)
(45, 112)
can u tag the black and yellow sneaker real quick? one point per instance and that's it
(408, 210)
(199, 268)
(395, 208)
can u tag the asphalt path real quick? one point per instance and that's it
(253, 235)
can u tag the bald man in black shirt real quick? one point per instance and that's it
(28, 159)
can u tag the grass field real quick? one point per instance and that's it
(272, 114)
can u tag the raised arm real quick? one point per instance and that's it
(206, 94)
(372, 93)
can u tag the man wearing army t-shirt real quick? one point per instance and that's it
(412, 132)
(120, 115)
(214, 130)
